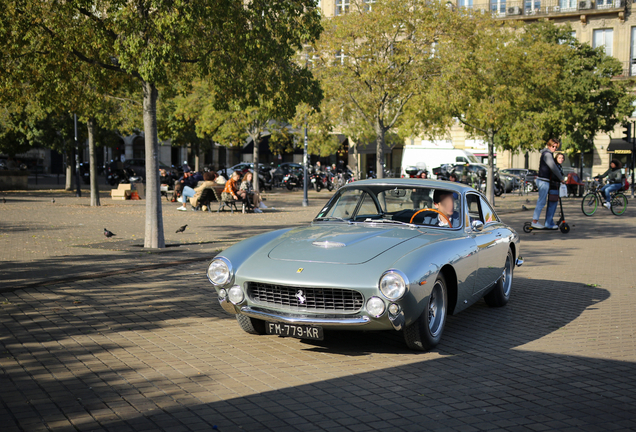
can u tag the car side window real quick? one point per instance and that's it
(367, 208)
(487, 212)
(473, 209)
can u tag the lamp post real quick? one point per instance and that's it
(78, 191)
(633, 154)
(305, 161)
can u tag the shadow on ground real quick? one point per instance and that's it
(478, 379)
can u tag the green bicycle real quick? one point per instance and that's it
(593, 199)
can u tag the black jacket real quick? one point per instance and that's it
(548, 168)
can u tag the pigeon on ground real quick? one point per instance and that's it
(4, 200)
(524, 207)
(108, 234)
(527, 201)
(53, 200)
(181, 229)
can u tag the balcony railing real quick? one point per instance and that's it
(536, 8)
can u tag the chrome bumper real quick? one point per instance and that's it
(248, 311)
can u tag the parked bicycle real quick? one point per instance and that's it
(593, 199)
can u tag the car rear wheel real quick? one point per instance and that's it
(500, 294)
(251, 325)
(425, 333)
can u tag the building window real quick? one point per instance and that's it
(605, 4)
(567, 5)
(498, 7)
(632, 57)
(604, 38)
(532, 7)
(368, 4)
(342, 7)
(466, 3)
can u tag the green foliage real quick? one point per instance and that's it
(372, 63)
(587, 98)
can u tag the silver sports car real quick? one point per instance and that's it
(386, 254)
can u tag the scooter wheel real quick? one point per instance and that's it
(565, 228)
(527, 227)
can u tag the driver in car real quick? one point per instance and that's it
(444, 202)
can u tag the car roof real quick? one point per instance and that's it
(442, 184)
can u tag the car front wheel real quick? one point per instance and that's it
(425, 333)
(500, 294)
(251, 325)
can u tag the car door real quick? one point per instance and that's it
(486, 240)
(494, 254)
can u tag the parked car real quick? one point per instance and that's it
(372, 259)
(510, 182)
(138, 166)
(528, 176)
(426, 157)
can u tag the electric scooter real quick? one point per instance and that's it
(563, 226)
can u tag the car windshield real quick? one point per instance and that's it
(424, 206)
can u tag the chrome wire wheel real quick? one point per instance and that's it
(436, 309)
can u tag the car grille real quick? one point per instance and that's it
(305, 299)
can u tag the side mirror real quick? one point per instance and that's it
(477, 225)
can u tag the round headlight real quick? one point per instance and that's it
(235, 294)
(392, 285)
(219, 271)
(375, 306)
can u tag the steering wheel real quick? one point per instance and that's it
(450, 225)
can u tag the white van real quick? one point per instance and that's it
(426, 158)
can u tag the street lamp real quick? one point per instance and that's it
(305, 160)
(78, 192)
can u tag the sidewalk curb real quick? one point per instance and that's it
(103, 274)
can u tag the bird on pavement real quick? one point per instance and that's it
(524, 207)
(4, 200)
(181, 229)
(527, 201)
(53, 200)
(108, 234)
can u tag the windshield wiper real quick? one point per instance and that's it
(331, 218)
(391, 221)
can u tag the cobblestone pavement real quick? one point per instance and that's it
(150, 349)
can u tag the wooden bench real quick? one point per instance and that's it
(230, 203)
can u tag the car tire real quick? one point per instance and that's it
(500, 294)
(251, 325)
(424, 334)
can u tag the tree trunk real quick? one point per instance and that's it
(92, 163)
(68, 155)
(256, 141)
(154, 220)
(197, 158)
(490, 190)
(379, 146)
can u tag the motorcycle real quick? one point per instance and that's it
(320, 181)
(293, 179)
(123, 176)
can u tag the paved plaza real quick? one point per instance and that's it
(102, 335)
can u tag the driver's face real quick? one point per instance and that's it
(446, 205)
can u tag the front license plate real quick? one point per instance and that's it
(293, 330)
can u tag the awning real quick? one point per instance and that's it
(619, 146)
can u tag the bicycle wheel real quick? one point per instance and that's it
(619, 204)
(589, 204)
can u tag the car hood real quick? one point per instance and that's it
(339, 243)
